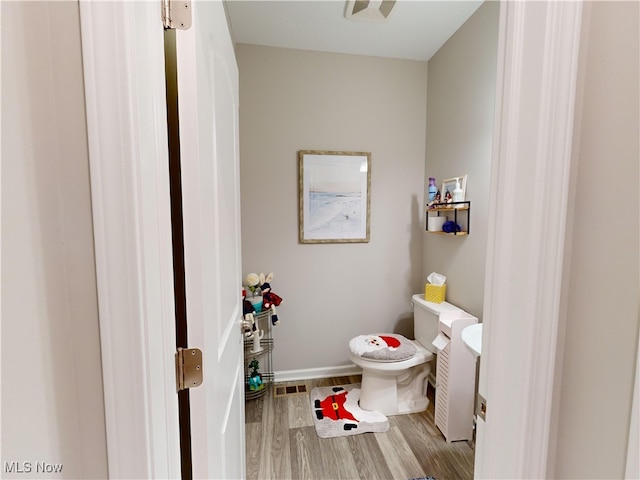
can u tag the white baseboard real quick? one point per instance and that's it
(320, 372)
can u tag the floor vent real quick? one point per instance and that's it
(289, 390)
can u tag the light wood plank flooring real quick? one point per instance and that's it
(282, 444)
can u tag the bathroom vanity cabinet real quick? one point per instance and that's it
(458, 212)
(455, 377)
(259, 349)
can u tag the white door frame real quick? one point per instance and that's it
(123, 55)
(535, 106)
(124, 68)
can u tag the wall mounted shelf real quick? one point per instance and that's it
(461, 212)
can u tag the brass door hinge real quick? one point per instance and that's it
(188, 368)
(481, 407)
(176, 14)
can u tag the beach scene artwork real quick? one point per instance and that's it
(334, 198)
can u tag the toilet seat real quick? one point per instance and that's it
(382, 347)
(422, 355)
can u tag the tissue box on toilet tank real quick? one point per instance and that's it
(434, 293)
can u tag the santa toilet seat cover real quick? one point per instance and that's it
(383, 347)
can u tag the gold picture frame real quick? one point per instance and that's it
(334, 192)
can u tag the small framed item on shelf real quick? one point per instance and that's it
(454, 189)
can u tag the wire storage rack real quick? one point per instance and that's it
(263, 356)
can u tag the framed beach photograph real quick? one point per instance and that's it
(334, 191)
(449, 184)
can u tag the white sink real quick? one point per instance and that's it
(472, 338)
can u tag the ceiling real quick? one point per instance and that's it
(415, 29)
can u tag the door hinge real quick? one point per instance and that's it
(481, 407)
(176, 14)
(188, 368)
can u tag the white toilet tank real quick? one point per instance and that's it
(426, 316)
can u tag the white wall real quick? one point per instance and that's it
(52, 403)
(460, 108)
(602, 287)
(294, 100)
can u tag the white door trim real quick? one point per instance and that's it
(632, 468)
(123, 57)
(537, 71)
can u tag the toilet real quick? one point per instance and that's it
(395, 369)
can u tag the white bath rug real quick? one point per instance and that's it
(336, 412)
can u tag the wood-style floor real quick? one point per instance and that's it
(282, 444)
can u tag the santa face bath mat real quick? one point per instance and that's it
(336, 412)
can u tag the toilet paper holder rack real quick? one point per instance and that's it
(460, 211)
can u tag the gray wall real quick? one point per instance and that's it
(293, 100)
(460, 107)
(52, 401)
(602, 286)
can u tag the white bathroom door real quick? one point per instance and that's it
(208, 116)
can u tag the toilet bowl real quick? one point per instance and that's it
(395, 369)
(395, 387)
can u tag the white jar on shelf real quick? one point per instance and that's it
(458, 194)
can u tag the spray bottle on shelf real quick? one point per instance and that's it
(432, 189)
